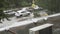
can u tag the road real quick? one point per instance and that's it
(13, 23)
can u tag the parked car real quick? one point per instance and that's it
(22, 13)
(9, 12)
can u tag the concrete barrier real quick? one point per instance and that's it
(42, 29)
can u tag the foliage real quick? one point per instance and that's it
(51, 5)
(3, 6)
(54, 5)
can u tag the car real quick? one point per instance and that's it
(9, 12)
(23, 13)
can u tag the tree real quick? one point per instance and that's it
(54, 6)
(3, 6)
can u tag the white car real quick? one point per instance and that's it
(22, 13)
(10, 12)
